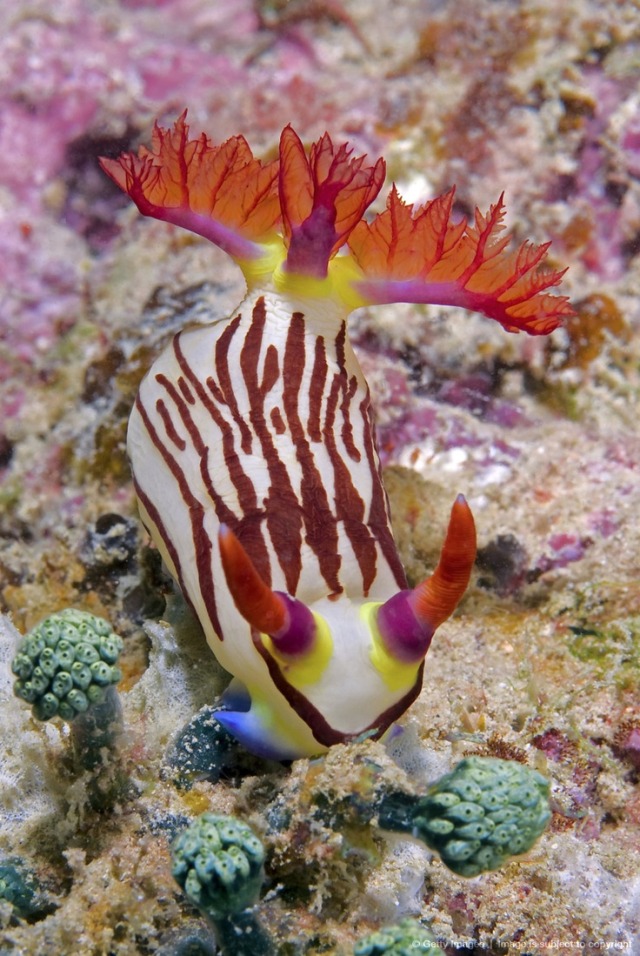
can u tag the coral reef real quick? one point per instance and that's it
(540, 663)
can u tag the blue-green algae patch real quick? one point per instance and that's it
(613, 651)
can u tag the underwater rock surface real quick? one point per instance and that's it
(541, 662)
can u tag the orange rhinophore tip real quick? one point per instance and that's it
(435, 599)
(409, 619)
(259, 605)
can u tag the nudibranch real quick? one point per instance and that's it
(252, 440)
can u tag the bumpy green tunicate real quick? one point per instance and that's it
(66, 663)
(218, 863)
(482, 813)
(405, 939)
(19, 887)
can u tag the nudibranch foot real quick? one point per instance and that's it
(236, 696)
(254, 725)
(251, 730)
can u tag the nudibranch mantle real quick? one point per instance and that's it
(252, 440)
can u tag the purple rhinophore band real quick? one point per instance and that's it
(296, 637)
(404, 637)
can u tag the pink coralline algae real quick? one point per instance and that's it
(55, 89)
(606, 163)
(604, 522)
(627, 740)
(43, 288)
(630, 142)
(565, 548)
(86, 75)
(475, 392)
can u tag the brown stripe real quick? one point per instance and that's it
(316, 390)
(350, 507)
(319, 521)
(154, 515)
(251, 514)
(348, 391)
(169, 427)
(216, 391)
(186, 391)
(271, 370)
(277, 421)
(202, 450)
(347, 428)
(242, 483)
(199, 537)
(226, 382)
(379, 520)
(282, 508)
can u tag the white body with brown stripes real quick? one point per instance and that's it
(264, 423)
(252, 440)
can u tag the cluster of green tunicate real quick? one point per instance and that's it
(218, 863)
(66, 663)
(19, 887)
(405, 939)
(483, 812)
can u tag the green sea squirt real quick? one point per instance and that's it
(477, 817)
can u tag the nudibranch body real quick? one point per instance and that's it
(252, 440)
